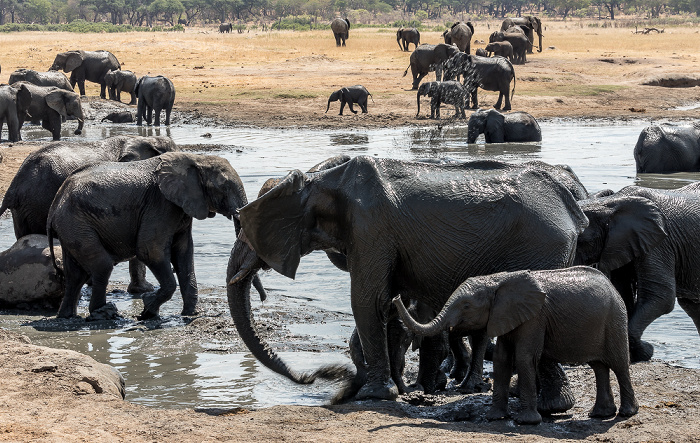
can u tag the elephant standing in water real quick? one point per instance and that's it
(530, 25)
(406, 36)
(14, 103)
(86, 65)
(111, 212)
(373, 211)
(155, 94)
(449, 92)
(341, 30)
(668, 148)
(648, 242)
(460, 34)
(428, 58)
(43, 171)
(51, 105)
(500, 128)
(50, 78)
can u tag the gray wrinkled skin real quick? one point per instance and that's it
(668, 148)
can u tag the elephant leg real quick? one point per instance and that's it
(363, 105)
(337, 40)
(398, 341)
(433, 351)
(103, 89)
(342, 106)
(350, 102)
(604, 406)
(500, 100)
(526, 364)
(167, 115)
(461, 354)
(156, 111)
(182, 256)
(140, 110)
(475, 100)
(152, 302)
(100, 271)
(149, 115)
(133, 99)
(628, 402)
(692, 308)
(502, 371)
(53, 124)
(417, 78)
(75, 277)
(137, 272)
(555, 391)
(474, 380)
(623, 279)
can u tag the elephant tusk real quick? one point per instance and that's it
(240, 275)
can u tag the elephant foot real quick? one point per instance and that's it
(107, 312)
(151, 307)
(556, 402)
(629, 410)
(189, 311)
(147, 315)
(641, 352)
(139, 287)
(603, 410)
(378, 391)
(495, 413)
(474, 386)
(528, 418)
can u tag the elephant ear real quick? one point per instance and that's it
(494, 127)
(24, 99)
(635, 226)
(55, 101)
(179, 181)
(138, 149)
(275, 224)
(469, 24)
(73, 61)
(113, 61)
(517, 299)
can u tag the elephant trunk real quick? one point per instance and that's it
(418, 103)
(79, 130)
(539, 34)
(436, 326)
(329, 104)
(242, 268)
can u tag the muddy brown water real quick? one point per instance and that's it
(167, 364)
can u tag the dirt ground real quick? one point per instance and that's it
(282, 80)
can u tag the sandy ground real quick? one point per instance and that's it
(282, 80)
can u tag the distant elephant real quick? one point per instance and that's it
(111, 212)
(450, 92)
(668, 148)
(516, 37)
(341, 30)
(571, 315)
(406, 36)
(119, 117)
(118, 81)
(350, 94)
(49, 78)
(368, 208)
(225, 27)
(503, 49)
(460, 34)
(14, 103)
(648, 243)
(43, 171)
(428, 58)
(501, 128)
(50, 105)
(28, 277)
(490, 73)
(481, 52)
(530, 24)
(86, 65)
(154, 95)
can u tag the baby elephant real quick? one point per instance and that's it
(504, 49)
(450, 92)
(120, 117)
(571, 315)
(501, 128)
(350, 94)
(481, 52)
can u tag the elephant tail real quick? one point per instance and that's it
(370, 96)
(513, 71)
(406, 71)
(50, 233)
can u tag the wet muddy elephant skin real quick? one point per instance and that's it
(448, 92)
(460, 35)
(490, 73)
(155, 94)
(14, 103)
(501, 128)
(52, 105)
(86, 65)
(118, 81)
(648, 242)
(113, 211)
(372, 210)
(49, 78)
(571, 315)
(668, 148)
(428, 58)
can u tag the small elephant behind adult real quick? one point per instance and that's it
(49, 78)
(460, 34)
(489, 73)
(668, 148)
(450, 92)
(530, 25)
(119, 117)
(341, 30)
(406, 36)
(503, 49)
(118, 81)
(500, 128)
(111, 212)
(481, 52)
(571, 315)
(86, 65)
(516, 37)
(155, 94)
(14, 103)
(349, 95)
(52, 105)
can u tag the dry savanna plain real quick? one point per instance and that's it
(283, 79)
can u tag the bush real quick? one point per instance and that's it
(82, 26)
(407, 24)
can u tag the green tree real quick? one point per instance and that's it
(565, 7)
(167, 9)
(36, 11)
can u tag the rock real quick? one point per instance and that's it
(27, 274)
(674, 81)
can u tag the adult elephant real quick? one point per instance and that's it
(668, 148)
(378, 223)
(14, 103)
(500, 128)
(155, 94)
(43, 171)
(516, 37)
(86, 65)
(530, 25)
(50, 78)
(406, 36)
(489, 73)
(111, 212)
(648, 242)
(341, 30)
(225, 27)
(460, 34)
(118, 81)
(51, 105)
(428, 58)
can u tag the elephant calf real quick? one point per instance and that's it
(501, 128)
(571, 315)
(449, 92)
(503, 49)
(349, 95)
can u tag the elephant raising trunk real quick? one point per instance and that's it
(242, 269)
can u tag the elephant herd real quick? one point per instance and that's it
(49, 98)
